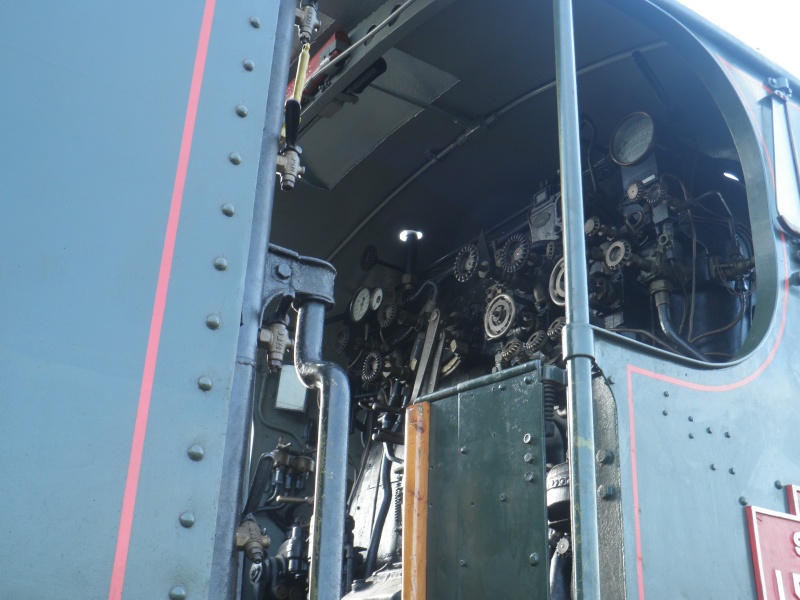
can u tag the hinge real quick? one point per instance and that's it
(780, 87)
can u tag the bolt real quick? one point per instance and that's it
(742, 500)
(533, 559)
(530, 477)
(666, 394)
(220, 263)
(227, 209)
(283, 271)
(604, 457)
(464, 450)
(605, 492)
(778, 484)
(187, 519)
(255, 22)
(204, 383)
(503, 498)
(235, 158)
(462, 562)
(665, 412)
(177, 593)
(610, 380)
(773, 82)
(713, 467)
(248, 65)
(213, 321)
(527, 438)
(727, 434)
(241, 110)
(196, 452)
(709, 430)
(527, 380)
(732, 471)
(530, 458)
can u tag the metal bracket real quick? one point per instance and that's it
(301, 278)
(780, 88)
(577, 340)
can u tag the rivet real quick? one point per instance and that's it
(727, 434)
(227, 209)
(778, 484)
(462, 562)
(248, 65)
(530, 477)
(610, 380)
(464, 450)
(604, 457)
(713, 467)
(283, 271)
(235, 158)
(527, 438)
(177, 593)
(204, 383)
(527, 380)
(665, 412)
(691, 418)
(196, 452)
(732, 471)
(502, 497)
(255, 22)
(220, 263)
(213, 321)
(533, 559)
(691, 436)
(241, 110)
(666, 394)
(709, 430)
(501, 387)
(530, 458)
(742, 500)
(187, 519)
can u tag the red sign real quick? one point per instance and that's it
(775, 542)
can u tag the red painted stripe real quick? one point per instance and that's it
(632, 369)
(159, 305)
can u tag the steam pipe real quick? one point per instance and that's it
(578, 339)
(380, 520)
(224, 571)
(662, 306)
(327, 536)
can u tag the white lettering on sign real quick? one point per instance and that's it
(796, 539)
(779, 584)
(796, 582)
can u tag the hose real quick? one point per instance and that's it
(662, 306)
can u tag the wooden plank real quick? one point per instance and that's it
(415, 502)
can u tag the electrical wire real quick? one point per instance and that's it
(727, 327)
(692, 298)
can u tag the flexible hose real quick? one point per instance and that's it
(662, 306)
(380, 520)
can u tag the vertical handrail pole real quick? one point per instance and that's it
(578, 339)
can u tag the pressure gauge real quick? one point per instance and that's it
(360, 305)
(633, 139)
(376, 299)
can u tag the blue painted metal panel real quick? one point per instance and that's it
(92, 118)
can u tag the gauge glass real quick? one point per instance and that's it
(360, 305)
(633, 139)
(376, 298)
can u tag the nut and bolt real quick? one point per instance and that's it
(605, 492)
(530, 477)
(283, 271)
(604, 457)
(529, 458)
(527, 438)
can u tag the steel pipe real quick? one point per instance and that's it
(328, 525)
(577, 336)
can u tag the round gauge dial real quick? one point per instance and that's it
(633, 139)
(376, 299)
(360, 305)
